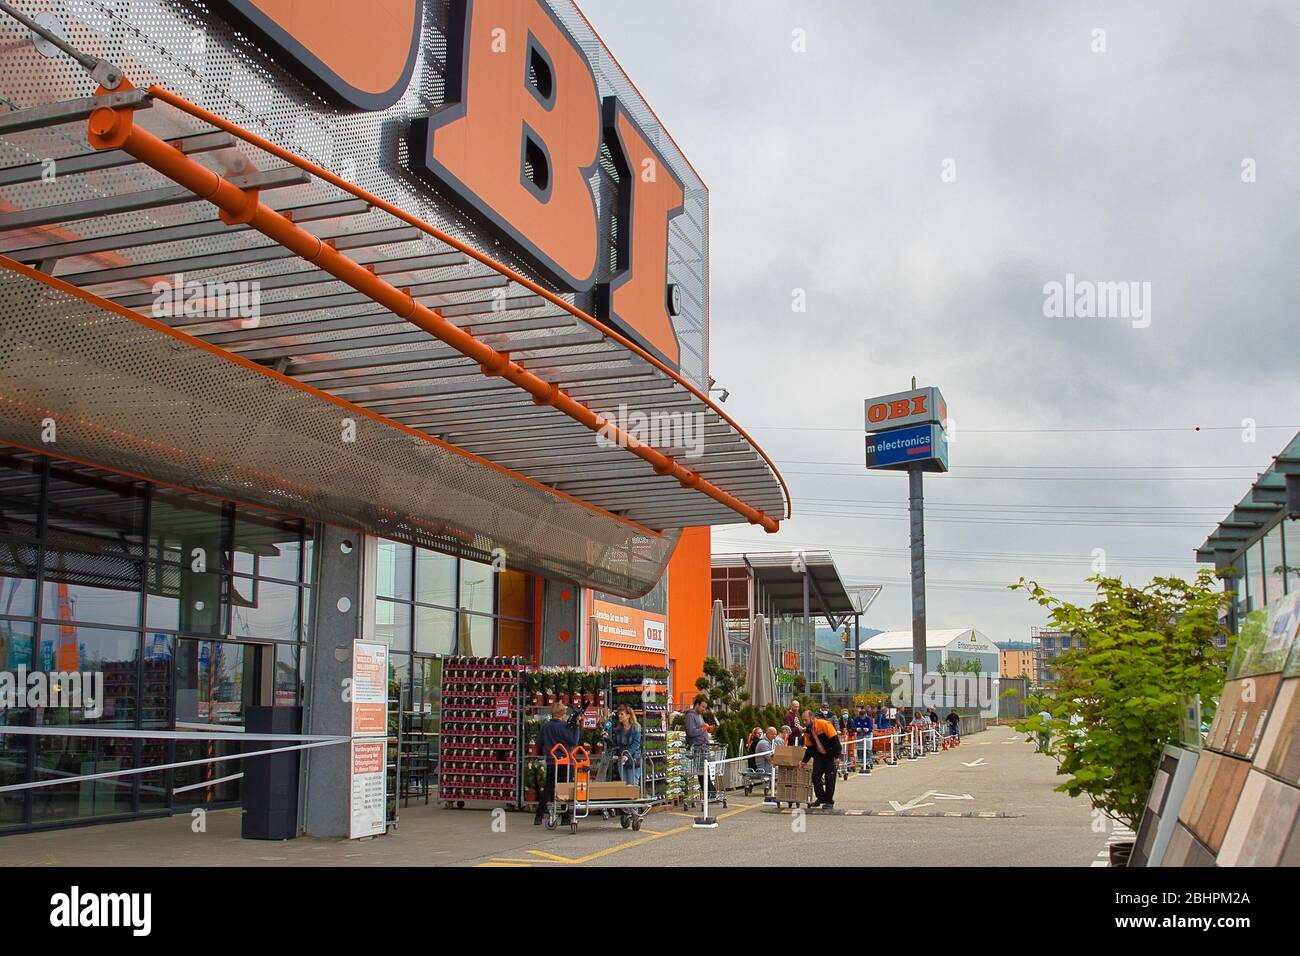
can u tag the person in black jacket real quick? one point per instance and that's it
(558, 730)
(824, 751)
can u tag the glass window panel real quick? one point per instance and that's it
(178, 599)
(515, 595)
(393, 624)
(399, 678)
(16, 650)
(264, 610)
(288, 692)
(308, 555)
(95, 512)
(1255, 575)
(435, 630)
(75, 649)
(478, 638)
(20, 496)
(476, 587)
(186, 532)
(1274, 571)
(435, 578)
(212, 685)
(267, 547)
(59, 757)
(16, 645)
(13, 769)
(515, 638)
(1291, 542)
(156, 691)
(393, 570)
(96, 589)
(17, 577)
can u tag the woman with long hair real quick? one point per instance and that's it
(627, 746)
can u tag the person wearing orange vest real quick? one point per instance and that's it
(823, 749)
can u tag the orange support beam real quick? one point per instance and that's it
(111, 128)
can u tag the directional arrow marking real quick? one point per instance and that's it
(910, 805)
(981, 762)
(916, 802)
(913, 803)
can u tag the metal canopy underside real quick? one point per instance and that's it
(1266, 498)
(115, 228)
(127, 395)
(783, 584)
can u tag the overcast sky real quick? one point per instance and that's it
(825, 172)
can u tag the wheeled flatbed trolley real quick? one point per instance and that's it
(576, 765)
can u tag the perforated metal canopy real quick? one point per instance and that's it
(94, 242)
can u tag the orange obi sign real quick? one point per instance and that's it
(515, 143)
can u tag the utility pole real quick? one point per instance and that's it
(916, 512)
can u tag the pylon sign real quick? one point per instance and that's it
(907, 430)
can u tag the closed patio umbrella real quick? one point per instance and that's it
(593, 652)
(717, 647)
(760, 679)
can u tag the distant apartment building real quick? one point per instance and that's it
(1018, 659)
(1050, 645)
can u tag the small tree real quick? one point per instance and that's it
(1117, 701)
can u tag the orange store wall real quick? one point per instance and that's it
(689, 599)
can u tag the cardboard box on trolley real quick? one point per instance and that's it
(603, 790)
(785, 756)
(793, 784)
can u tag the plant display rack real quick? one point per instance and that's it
(645, 690)
(544, 686)
(481, 751)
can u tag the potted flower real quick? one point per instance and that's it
(549, 685)
(532, 783)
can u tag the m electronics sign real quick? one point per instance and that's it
(903, 447)
(520, 128)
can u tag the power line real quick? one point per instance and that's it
(949, 477)
(958, 553)
(855, 464)
(1216, 508)
(1025, 431)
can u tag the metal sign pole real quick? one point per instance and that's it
(916, 511)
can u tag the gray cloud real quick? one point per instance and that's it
(823, 170)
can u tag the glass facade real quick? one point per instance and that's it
(188, 609)
(429, 605)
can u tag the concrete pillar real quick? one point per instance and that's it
(561, 628)
(336, 616)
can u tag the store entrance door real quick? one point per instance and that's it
(216, 682)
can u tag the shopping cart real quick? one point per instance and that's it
(693, 768)
(749, 779)
(848, 754)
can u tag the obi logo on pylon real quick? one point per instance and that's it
(517, 144)
(914, 407)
